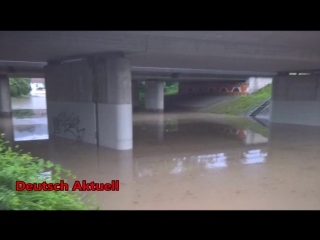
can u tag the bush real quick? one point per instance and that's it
(18, 166)
(19, 86)
(171, 88)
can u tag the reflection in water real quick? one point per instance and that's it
(203, 162)
(155, 128)
(34, 102)
(179, 168)
(30, 124)
(254, 138)
(211, 161)
(29, 133)
(254, 156)
(171, 125)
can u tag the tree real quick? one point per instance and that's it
(19, 86)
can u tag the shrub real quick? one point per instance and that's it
(19, 86)
(18, 166)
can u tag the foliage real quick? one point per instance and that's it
(18, 166)
(142, 92)
(243, 104)
(170, 88)
(19, 87)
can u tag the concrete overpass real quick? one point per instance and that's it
(88, 74)
(256, 51)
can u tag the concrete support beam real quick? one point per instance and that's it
(154, 96)
(296, 100)
(5, 97)
(115, 103)
(135, 94)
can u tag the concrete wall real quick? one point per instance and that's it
(255, 84)
(296, 100)
(71, 111)
(213, 88)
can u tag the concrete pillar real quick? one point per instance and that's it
(135, 93)
(70, 105)
(295, 100)
(7, 128)
(154, 96)
(91, 101)
(5, 97)
(115, 103)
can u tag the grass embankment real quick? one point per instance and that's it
(243, 104)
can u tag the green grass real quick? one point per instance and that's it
(171, 91)
(243, 104)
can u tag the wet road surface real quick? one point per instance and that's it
(195, 161)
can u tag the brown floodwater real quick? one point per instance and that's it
(193, 161)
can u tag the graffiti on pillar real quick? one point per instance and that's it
(68, 125)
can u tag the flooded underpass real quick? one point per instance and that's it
(190, 161)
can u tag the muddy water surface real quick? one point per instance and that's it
(193, 161)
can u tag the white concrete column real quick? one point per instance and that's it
(115, 103)
(154, 96)
(135, 93)
(5, 97)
